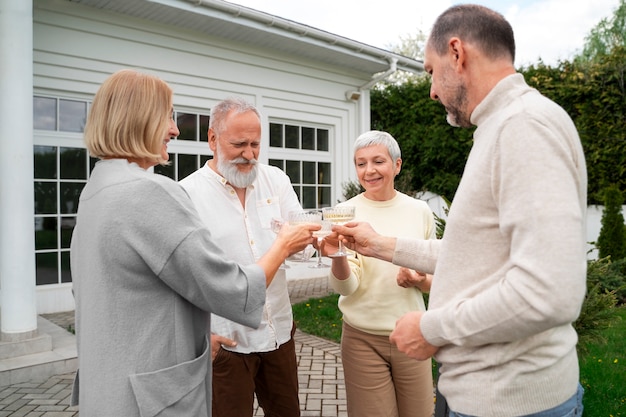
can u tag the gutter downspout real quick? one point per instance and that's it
(354, 95)
(392, 69)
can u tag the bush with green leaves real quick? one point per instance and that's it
(612, 239)
(599, 310)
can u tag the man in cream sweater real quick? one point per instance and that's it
(509, 274)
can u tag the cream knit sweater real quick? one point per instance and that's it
(371, 300)
(510, 271)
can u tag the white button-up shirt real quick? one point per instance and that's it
(245, 235)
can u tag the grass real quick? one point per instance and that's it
(602, 367)
(320, 317)
(603, 373)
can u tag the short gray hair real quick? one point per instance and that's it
(220, 112)
(377, 137)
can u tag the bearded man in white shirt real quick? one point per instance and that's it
(237, 197)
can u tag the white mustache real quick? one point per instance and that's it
(243, 161)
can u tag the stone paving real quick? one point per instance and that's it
(322, 391)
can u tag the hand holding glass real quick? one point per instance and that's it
(301, 217)
(320, 235)
(339, 215)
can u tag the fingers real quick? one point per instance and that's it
(217, 342)
(221, 340)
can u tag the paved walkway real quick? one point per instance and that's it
(322, 391)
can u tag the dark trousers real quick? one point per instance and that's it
(273, 376)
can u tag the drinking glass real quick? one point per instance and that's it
(305, 216)
(320, 235)
(339, 215)
(275, 225)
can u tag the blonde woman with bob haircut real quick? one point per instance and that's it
(146, 272)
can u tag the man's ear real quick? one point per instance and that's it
(456, 52)
(212, 138)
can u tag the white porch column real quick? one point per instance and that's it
(18, 309)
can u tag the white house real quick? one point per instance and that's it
(311, 87)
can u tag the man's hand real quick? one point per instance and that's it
(216, 343)
(362, 238)
(407, 336)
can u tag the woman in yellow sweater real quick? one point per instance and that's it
(380, 380)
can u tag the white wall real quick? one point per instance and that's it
(75, 48)
(594, 219)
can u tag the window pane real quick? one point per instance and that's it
(204, 159)
(70, 193)
(323, 173)
(72, 115)
(308, 138)
(324, 199)
(308, 198)
(293, 171)
(92, 163)
(204, 128)
(45, 162)
(292, 137)
(308, 172)
(186, 165)
(45, 197)
(188, 126)
(279, 163)
(66, 274)
(322, 140)
(46, 268)
(45, 233)
(276, 135)
(296, 189)
(73, 163)
(44, 113)
(67, 228)
(167, 170)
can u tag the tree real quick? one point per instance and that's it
(433, 152)
(607, 35)
(612, 239)
(593, 93)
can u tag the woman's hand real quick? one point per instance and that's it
(407, 278)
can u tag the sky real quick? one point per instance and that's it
(552, 30)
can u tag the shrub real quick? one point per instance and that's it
(599, 310)
(612, 239)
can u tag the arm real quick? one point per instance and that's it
(291, 239)
(412, 253)
(362, 238)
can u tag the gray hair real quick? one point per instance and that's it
(377, 137)
(220, 112)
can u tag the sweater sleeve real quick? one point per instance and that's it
(201, 273)
(417, 254)
(536, 186)
(186, 258)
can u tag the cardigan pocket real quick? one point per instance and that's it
(180, 390)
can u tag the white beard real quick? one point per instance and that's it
(229, 170)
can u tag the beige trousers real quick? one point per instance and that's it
(382, 381)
